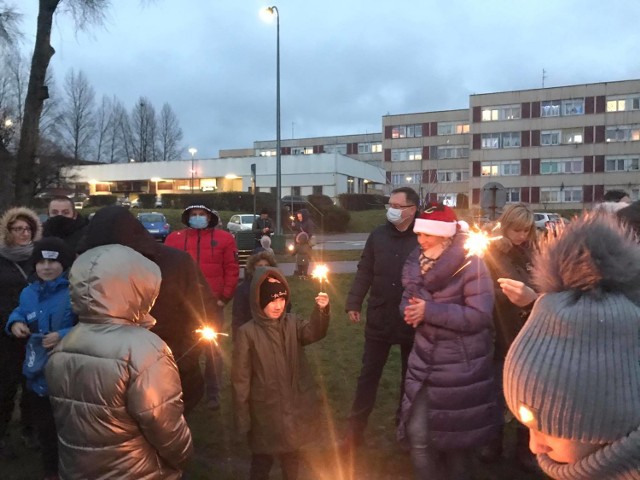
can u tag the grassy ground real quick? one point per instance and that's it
(336, 361)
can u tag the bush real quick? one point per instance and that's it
(102, 200)
(362, 201)
(320, 200)
(231, 201)
(331, 218)
(147, 200)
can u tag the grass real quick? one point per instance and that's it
(336, 362)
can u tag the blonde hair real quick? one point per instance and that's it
(518, 216)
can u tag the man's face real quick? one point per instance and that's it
(399, 201)
(264, 216)
(61, 207)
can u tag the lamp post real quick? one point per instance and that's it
(193, 152)
(271, 12)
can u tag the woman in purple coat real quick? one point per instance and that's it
(450, 404)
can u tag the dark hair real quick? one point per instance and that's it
(61, 198)
(631, 216)
(615, 195)
(264, 210)
(250, 267)
(412, 197)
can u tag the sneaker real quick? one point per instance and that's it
(213, 404)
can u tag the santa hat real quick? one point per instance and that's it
(437, 220)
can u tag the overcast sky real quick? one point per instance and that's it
(344, 63)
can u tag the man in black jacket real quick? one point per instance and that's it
(64, 221)
(380, 271)
(262, 226)
(185, 302)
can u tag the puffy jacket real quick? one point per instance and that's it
(113, 385)
(45, 307)
(452, 354)
(274, 393)
(216, 254)
(380, 274)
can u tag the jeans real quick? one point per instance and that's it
(10, 379)
(212, 372)
(261, 465)
(374, 359)
(428, 462)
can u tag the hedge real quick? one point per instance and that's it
(362, 201)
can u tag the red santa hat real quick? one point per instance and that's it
(437, 220)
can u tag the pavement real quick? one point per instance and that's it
(334, 267)
(341, 241)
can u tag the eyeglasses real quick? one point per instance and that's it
(20, 229)
(396, 206)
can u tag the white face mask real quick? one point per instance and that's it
(394, 215)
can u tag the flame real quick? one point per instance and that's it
(321, 273)
(478, 242)
(290, 247)
(209, 334)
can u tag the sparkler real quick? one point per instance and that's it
(290, 247)
(478, 241)
(320, 272)
(210, 335)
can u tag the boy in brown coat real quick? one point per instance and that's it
(273, 390)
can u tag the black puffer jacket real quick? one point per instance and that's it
(380, 270)
(185, 301)
(71, 230)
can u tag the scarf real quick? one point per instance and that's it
(427, 262)
(17, 253)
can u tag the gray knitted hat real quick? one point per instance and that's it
(574, 370)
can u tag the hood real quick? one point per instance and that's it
(215, 217)
(116, 224)
(305, 214)
(114, 284)
(259, 276)
(12, 215)
(595, 255)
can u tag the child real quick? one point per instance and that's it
(265, 246)
(44, 315)
(302, 251)
(572, 375)
(273, 389)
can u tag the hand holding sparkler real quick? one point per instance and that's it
(478, 241)
(322, 300)
(209, 334)
(517, 292)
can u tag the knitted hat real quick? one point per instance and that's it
(437, 220)
(270, 290)
(53, 248)
(573, 371)
(265, 241)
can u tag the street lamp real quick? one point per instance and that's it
(193, 152)
(270, 12)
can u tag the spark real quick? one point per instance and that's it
(209, 334)
(321, 272)
(478, 241)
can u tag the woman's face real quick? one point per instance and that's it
(561, 450)
(517, 236)
(20, 233)
(429, 241)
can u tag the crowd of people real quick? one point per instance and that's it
(99, 329)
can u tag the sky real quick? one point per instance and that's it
(344, 63)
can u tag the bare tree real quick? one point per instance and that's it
(9, 21)
(144, 129)
(77, 122)
(170, 134)
(103, 126)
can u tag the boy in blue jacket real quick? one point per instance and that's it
(44, 315)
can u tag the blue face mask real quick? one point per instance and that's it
(198, 221)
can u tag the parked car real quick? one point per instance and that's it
(156, 224)
(541, 219)
(242, 222)
(123, 202)
(138, 204)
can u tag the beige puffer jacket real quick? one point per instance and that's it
(114, 386)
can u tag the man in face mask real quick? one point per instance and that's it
(64, 221)
(379, 273)
(215, 252)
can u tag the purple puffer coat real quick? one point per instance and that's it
(453, 349)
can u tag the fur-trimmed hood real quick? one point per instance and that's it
(12, 215)
(594, 255)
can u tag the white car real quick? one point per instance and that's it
(541, 219)
(242, 222)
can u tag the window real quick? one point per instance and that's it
(560, 194)
(449, 176)
(369, 147)
(453, 128)
(550, 108)
(336, 148)
(351, 185)
(405, 154)
(623, 133)
(513, 195)
(295, 191)
(407, 131)
(573, 135)
(449, 199)
(317, 190)
(550, 137)
(406, 178)
(561, 165)
(510, 168)
(574, 106)
(500, 140)
(621, 164)
(267, 153)
(623, 103)
(376, 148)
(572, 194)
(504, 112)
(489, 169)
(455, 151)
(302, 150)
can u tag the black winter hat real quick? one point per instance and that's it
(270, 290)
(53, 248)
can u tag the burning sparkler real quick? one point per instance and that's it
(320, 272)
(290, 247)
(210, 335)
(478, 241)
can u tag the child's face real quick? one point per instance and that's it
(48, 269)
(274, 309)
(429, 241)
(561, 450)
